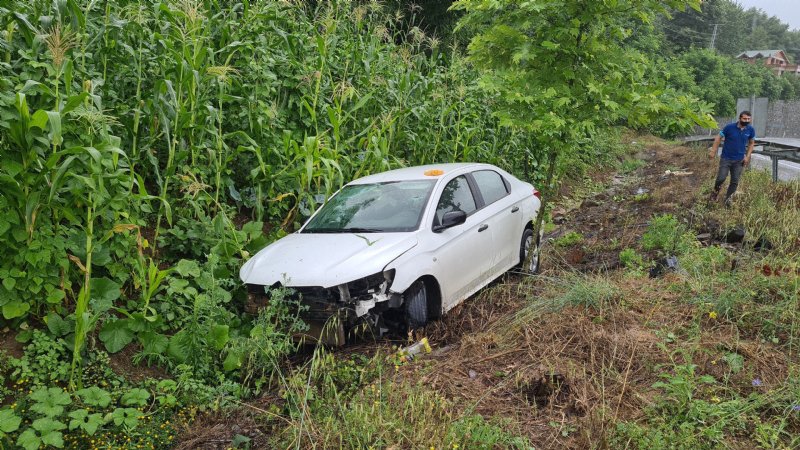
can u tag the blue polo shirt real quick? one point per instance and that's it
(736, 140)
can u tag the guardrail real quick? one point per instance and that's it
(777, 149)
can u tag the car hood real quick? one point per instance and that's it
(326, 260)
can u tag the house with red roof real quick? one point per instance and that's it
(774, 59)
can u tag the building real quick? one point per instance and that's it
(774, 59)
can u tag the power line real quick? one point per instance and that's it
(687, 30)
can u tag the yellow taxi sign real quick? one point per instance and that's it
(434, 172)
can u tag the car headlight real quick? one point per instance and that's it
(365, 288)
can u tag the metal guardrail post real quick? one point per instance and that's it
(774, 159)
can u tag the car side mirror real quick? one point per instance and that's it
(451, 219)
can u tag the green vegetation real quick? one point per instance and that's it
(666, 234)
(569, 239)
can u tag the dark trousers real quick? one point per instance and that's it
(735, 167)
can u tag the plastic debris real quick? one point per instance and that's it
(421, 346)
(678, 173)
(664, 265)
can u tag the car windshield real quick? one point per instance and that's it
(373, 208)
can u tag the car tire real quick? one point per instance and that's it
(527, 244)
(416, 305)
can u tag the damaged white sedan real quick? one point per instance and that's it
(402, 247)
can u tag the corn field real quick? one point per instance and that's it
(131, 128)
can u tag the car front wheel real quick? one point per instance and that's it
(527, 245)
(416, 305)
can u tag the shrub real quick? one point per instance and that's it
(630, 259)
(667, 234)
(569, 239)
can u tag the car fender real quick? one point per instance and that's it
(409, 267)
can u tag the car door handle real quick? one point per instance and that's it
(482, 228)
(514, 209)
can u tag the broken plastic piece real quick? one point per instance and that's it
(422, 346)
(678, 173)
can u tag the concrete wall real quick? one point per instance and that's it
(771, 118)
(783, 119)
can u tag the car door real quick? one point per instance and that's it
(504, 218)
(463, 252)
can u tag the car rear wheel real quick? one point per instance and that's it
(528, 245)
(416, 305)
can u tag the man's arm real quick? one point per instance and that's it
(713, 151)
(750, 147)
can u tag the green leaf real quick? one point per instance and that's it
(55, 296)
(50, 431)
(232, 362)
(58, 326)
(219, 335)
(36, 86)
(9, 422)
(73, 102)
(38, 119)
(50, 401)
(9, 283)
(188, 268)
(14, 309)
(95, 396)
(115, 335)
(85, 421)
(128, 417)
(55, 128)
(735, 362)
(153, 343)
(178, 346)
(29, 440)
(104, 293)
(135, 397)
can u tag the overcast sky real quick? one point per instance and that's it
(786, 10)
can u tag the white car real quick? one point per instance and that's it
(403, 246)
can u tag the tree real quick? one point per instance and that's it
(562, 68)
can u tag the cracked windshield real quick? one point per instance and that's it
(373, 208)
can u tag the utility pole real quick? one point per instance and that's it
(714, 36)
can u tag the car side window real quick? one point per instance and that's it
(491, 185)
(456, 196)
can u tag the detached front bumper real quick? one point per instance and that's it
(332, 311)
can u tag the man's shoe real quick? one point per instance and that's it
(728, 202)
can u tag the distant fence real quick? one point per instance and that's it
(771, 118)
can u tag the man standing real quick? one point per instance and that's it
(739, 140)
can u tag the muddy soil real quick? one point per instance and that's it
(616, 217)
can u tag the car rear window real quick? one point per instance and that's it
(491, 185)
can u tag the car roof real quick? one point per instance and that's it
(417, 172)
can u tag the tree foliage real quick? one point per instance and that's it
(563, 68)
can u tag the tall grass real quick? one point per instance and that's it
(768, 212)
